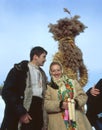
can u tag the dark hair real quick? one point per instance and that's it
(37, 51)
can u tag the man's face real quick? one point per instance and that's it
(41, 59)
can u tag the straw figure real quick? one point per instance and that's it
(69, 54)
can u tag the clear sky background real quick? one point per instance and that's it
(24, 24)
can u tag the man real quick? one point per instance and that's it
(23, 93)
(94, 105)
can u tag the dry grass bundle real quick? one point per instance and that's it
(69, 55)
(67, 27)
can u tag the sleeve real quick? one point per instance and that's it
(80, 96)
(88, 92)
(91, 99)
(11, 93)
(51, 104)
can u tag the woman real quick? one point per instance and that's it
(64, 102)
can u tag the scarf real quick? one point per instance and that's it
(66, 93)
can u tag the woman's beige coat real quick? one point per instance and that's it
(51, 104)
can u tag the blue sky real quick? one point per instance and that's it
(24, 24)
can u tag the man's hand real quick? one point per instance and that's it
(44, 128)
(25, 118)
(95, 91)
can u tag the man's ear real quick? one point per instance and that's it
(35, 57)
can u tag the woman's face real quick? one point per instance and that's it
(56, 71)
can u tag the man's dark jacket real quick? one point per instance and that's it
(94, 107)
(13, 95)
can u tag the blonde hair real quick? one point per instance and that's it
(55, 63)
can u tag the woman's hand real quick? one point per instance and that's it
(65, 105)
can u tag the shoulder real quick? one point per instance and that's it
(74, 81)
(76, 85)
(18, 70)
(52, 85)
(21, 66)
(41, 70)
(50, 88)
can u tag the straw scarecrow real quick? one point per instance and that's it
(69, 54)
